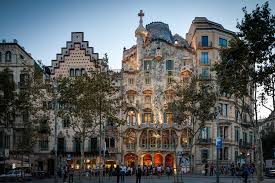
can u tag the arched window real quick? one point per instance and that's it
(8, 56)
(77, 72)
(72, 72)
(82, 72)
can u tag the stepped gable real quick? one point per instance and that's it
(76, 38)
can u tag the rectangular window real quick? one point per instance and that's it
(131, 81)
(169, 79)
(43, 145)
(147, 80)
(169, 118)
(204, 155)
(205, 133)
(205, 73)
(224, 110)
(237, 134)
(147, 65)
(244, 137)
(250, 137)
(7, 141)
(147, 117)
(66, 122)
(222, 42)
(204, 58)
(204, 41)
(169, 65)
(225, 153)
(93, 144)
(77, 145)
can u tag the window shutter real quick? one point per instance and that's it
(142, 118)
(164, 116)
(152, 118)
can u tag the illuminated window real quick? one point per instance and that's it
(147, 117)
(168, 118)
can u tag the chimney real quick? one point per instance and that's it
(3, 41)
(15, 41)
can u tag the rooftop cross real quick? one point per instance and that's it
(141, 14)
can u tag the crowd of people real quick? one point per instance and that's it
(244, 170)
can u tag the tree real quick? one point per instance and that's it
(89, 101)
(248, 63)
(29, 105)
(7, 97)
(193, 105)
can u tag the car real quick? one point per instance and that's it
(270, 173)
(15, 175)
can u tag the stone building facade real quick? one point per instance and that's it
(207, 37)
(20, 65)
(76, 59)
(151, 136)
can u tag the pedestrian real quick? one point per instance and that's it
(232, 169)
(123, 170)
(211, 169)
(65, 173)
(138, 174)
(245, 172)
(159, 171)
(117, 173)
(71, 175)
(206, 166)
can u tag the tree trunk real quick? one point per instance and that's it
(259, 151)
(259, 157)
(82, 146)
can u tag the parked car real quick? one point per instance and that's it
(15, 175)
(270, 173)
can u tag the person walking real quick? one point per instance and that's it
(206, 166)
(71, 175)
(123, 170)
(117, 173)
(138, 174)
(211, 169)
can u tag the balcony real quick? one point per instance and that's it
(158, 147)
(112, 150)
(205, 62)
(204, 141)
(205, 46)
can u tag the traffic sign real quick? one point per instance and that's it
(69, 157)
(218, 142)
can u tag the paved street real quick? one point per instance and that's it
(164, 179)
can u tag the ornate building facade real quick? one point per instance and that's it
(148, 69)
(151, 135)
